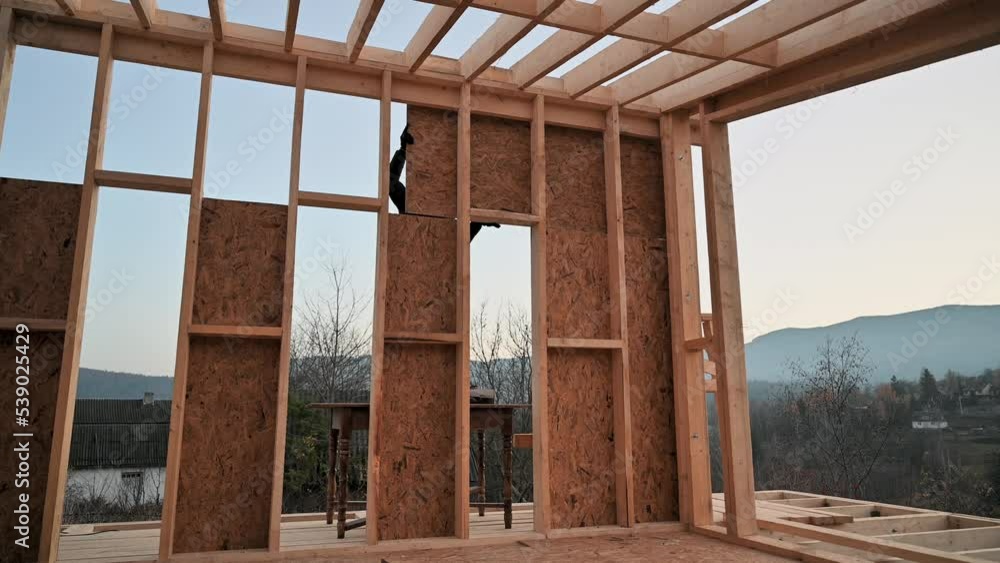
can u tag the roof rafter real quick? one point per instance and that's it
(564, 45)
(436, 25)
(291, 23)
(763, 25)
(805, 43)
(145, 10)
(677, 24)
(70, 7)
(500, 37)
(217, 11)
(365, 18)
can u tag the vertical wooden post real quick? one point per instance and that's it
(187, 309)
(539, 326)
(7, 49)
(693, 470)
(462, 322)
(62, 430)
(378, 322)
(732, 399)
(619, 319)
(288, 288)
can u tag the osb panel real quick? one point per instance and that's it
(227, 454)
(38, 222)
(417, 443)
(574, 173)
(577, 281)
(241, 263)
(423, 261)
(501, 164)
(653, 431)
(581, 445)
(642, 188)
(432, 162)
(45, 359)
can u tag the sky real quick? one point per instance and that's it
(876, 200)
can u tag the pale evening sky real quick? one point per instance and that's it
(808, 256)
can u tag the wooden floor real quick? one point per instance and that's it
(82, 544)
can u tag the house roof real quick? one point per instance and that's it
(119, 433)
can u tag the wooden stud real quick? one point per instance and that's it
(587, 343)
(504, 217)
(693, 469)
(7, 49)
(172, 474)
(423, 338)
(338, 201)
(621, 386)
(145, 10)
(365, 18)
(539, 326)
(433, 29)
(70, 370)
(378, 321)
(217, 12)
(291, 23)
(225, 331)
(732, 397)
(285, 359)
(462, 323)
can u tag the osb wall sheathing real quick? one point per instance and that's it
(422, 266)
(574, 174)
(577, 281)
(581, 443)
(38, 222)
(501, 164)
(417, 443)
(642, 188)
(44, 359)
(227, 454)
(654, 445)
(432, 162)
(241, 263)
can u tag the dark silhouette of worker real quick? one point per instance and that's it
(397, 190)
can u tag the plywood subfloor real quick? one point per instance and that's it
(79, 544)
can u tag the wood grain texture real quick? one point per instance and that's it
(417, 444)
(642, 187)
(501, 164)
(241, 260)
(574, 174)
(581, 448)
(45, 359)
(37, 235)
(422, 266)
(224, 491)
(432, 162)
(654, 445)
(577, 284)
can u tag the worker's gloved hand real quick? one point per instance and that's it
(406, 138)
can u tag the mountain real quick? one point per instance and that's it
(100, 384)
(962, 338)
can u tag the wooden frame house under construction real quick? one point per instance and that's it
(598, 163)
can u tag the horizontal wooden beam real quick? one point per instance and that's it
(433, 29)
(217, 11)
(364, 19)
(145, 10)
(503, 34)
(338, 201)
(38, 325)
(236, 331)
(586, 343)
(69, 7)
(422, 338)
(777, 547)
(504, 217)
(146, 182)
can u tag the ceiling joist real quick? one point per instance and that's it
(69, 7)
(436, 25)
(217, 11)
(145, 10)
(291, 23)
(365, 18)
(505, 32)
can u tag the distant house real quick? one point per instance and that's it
(119, 448)
(986, 391)
(929, 420)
